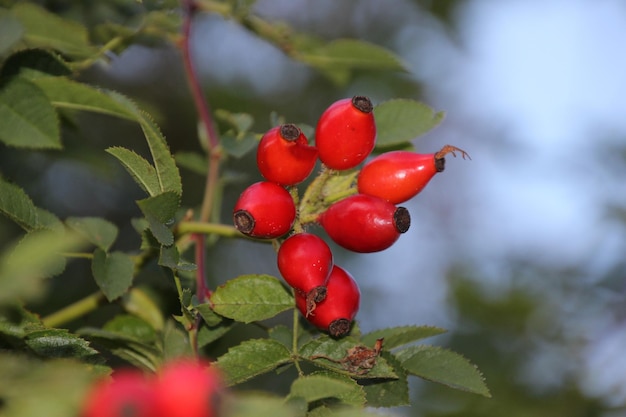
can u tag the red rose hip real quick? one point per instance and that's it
(398, 176)
(284, 155)
(127, 394)
(264, 210)
(305, 262)
(188, 388)
(346, 132)
(335, 313)
(364, 223)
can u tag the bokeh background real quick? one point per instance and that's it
(520, 253)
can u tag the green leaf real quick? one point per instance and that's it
(208, 315)
(322, 385)
(24, 331)
(49, 221)
(170, 258)
(27, 119)
(143, 355)
(65, 93)
(214, 325)
(209, 334)
(166, 169)
(142, 172)
(188, 317)
(175, 342)
(282, 334)
(162, 24)
(258, 404)
(237, 140)
(401, 335)
(164, 163)
(443, 366)
(48, 30)
(239, 122)
(388, 392)
(59, 343)
(17, 206)
(401, 120)
(34, 63)
(164, 175)
(35, 257)
(131, 326)
(138, 302)
(238, 146)
(251, 358)
(193, 161)
(96, 230)
(15, 323)
(59, 385)
(105, 32)
(326, 352)
(249, 298)
(11, 31)
(113, 272)
(351, 54)
(336, 58)
(160, 211)
(324, 411)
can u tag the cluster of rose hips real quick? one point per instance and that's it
(182, 388)
(365, 221)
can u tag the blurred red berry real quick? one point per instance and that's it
(188, 388)
(128, 394)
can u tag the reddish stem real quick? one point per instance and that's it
(214, 157)
(451, 149)
(202, 106)
(202, 290)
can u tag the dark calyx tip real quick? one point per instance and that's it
(362, 103)
(244, 222)
(440, 164)
(290, 132)
(317, 294)
(401, 219)
(339, 327)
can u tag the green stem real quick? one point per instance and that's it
(214, 153)
(310, 202)
(193, 336)
(78, 255)
(294, 340)
(224, 230)
(211, 184)
(202, 290)
(74, 310)
(220, 8)
(329, 199)
(192, 331)
(110, 45)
